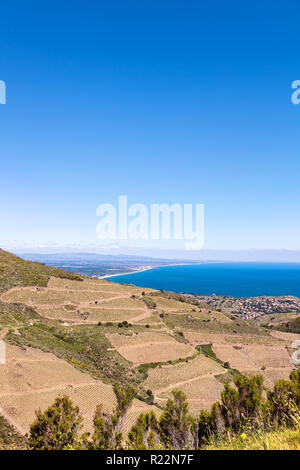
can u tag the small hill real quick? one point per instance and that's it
(291, 326)
(287, 322)
(15, 271)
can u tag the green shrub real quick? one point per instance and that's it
(57, 428)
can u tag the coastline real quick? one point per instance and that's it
(215, 281)
(147, 268)
(130, 272)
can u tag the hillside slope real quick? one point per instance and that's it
(106, 332)
(15, 271)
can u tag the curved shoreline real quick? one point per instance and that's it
(147, 268)
(253, 281)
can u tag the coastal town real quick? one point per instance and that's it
(253, 307)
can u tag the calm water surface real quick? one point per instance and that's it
(235, 279)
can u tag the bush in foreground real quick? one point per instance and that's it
(57, 428)
(243, 418)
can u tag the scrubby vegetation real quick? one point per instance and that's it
(242, 412)
(149, 302)
(281, 438)
(13, 314)
(191, 321)
(15, 271)
(86, 348)
(57, 428)
(291, 326)
(10, 438)
(178, 297)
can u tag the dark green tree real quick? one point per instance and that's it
(243, 403)
(144, 434)
(57, 428)
(176, 424)
(204, 427)
(283, 406)
(107, 426)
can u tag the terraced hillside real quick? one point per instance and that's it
(70, 334)
(288, 322)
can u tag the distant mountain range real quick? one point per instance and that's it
(100, 264)
(268, 255)
(94, 264)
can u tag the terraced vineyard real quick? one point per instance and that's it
(171, 376)
(150, 347)
(32, 379)
(72, 335)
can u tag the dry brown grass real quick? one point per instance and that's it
(124, 302)
(249, 353)
(120, 340)
(268, 356)
(201, 393)
(170, 304)
(272, 361)
(89, 301)
(149, 347)
(30, 295)
(98, 285)
(86, 284)
(27, 376)
(88, 314)
(166, 376)
(236, 357)
(275, 374)
(149, 319)
(202, 337)
(252, 339)
(289, 337)
(201, 315)
(21, 408)
(155, 352)
(32, 379)
(196, 337)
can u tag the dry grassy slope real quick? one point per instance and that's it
(15, 271)
(10, 439)
(292, 325)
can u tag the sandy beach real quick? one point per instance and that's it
(144, 268)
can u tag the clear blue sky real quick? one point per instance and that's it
(163, 101)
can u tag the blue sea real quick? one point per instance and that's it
(234, 279)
